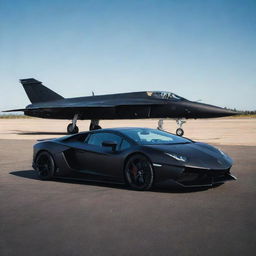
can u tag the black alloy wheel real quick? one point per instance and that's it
(45, 166)
(139, 172)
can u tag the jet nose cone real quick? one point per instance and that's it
(221, 111)
(208, 111)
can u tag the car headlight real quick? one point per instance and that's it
(224, 155)
(221, 152)
(177, 157)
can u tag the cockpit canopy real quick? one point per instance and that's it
(164, 95)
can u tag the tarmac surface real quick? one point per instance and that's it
(81, 218)
(221, 131)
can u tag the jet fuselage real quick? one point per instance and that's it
(136, 105)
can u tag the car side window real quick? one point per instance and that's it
(97, 139)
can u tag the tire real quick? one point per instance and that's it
(45, 166)
(94, 127)
(97, 127)
(139, 172)
(76, 130)
(70, 129)
(179, 132)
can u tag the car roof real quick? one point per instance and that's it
(120, 129)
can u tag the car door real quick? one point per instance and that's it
(100, 161)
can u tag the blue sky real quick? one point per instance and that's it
(197, 49)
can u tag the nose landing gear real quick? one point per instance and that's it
(160, 125)
(180, 131)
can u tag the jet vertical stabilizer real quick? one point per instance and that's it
(37, 92)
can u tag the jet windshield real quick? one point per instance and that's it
(165, 95)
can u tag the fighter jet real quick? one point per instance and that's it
(134, 105)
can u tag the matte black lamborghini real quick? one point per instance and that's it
(140, 157)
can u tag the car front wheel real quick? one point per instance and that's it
(139, 172)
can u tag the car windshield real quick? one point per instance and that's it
(145, 136)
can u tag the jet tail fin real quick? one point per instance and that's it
(37, 92)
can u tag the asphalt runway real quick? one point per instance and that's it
(80, 218)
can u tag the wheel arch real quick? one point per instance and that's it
(136, 153)
(41, 151)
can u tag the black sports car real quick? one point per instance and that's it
(140, 157)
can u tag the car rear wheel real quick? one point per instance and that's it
(139, 172)
(45, 165)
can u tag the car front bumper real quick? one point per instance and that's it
(191, 176)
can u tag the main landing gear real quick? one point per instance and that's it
(94, 125)
(179, 131)
(72, 128)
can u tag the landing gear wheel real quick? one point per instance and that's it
(139, 172)
(94, 127)
(45, 166)
(179, 132)
(72, 130)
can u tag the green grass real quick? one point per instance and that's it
(244, 115)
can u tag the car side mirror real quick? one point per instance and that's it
(111, 144)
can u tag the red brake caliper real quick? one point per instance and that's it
(133, 169)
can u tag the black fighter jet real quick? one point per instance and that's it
(135, 105)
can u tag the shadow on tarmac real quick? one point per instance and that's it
(172, 188)
(39, 133)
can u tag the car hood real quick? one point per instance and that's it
(199, 155)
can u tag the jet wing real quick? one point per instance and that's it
(76, 105)
(15, 110)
